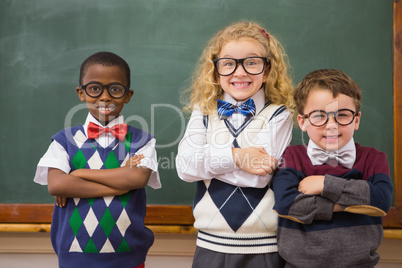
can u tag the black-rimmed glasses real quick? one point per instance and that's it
(95, 89)
(252, 65)
(319, 118)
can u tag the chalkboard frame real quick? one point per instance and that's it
(394, 216)
(163, 217)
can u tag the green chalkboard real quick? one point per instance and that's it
(43, 43)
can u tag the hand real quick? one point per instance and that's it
(135, 160)
(254, 160)
(312, 185)
(61, 201)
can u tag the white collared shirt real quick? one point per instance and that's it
(57, 157)
(196, 160)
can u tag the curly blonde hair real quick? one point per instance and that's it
(205, 89)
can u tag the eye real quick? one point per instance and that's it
(251, 62)
(94, 88)
(228, 63)
(318, 115)
(344, 114)
(116, 89)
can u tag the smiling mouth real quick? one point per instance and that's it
(241, 84)
(332, 137)
(106, 108)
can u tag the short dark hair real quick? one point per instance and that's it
(105, 59)
(333, 80)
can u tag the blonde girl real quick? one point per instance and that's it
(241, 101)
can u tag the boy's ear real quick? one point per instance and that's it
(357, 121)
(128, 96)
(301, 122)
(81, 94)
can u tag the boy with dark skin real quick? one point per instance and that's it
(97, 173)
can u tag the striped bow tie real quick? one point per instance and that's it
(226, 109)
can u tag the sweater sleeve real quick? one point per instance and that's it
(370, 197)
(290, 203)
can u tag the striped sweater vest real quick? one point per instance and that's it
(355, 234)
(105, 231)
(233, 219)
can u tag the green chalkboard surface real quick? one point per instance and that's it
(43, 43)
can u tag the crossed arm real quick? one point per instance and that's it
(370, 197)
(89, 183)
(314, 185)
(245, 167)
(317, 197)
(254, 160)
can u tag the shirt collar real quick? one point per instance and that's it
(91, 118)
(258, 98)
(349, 146)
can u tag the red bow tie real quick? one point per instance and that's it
(119, 131)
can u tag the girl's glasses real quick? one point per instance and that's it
(252, 65)
(319, 118)
(95, 89)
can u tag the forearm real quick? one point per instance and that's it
(293, 205)
(369, 193)
(272, 140)
(197, 160)
(194, 165)
(308, 208)
(122, 178)
(66, 185)
(358, 196)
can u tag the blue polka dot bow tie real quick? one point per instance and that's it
(226, 109)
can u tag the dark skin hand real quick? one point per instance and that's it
(87, 183)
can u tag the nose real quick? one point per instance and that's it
(331, 122)
(105, 94)
(240, 70)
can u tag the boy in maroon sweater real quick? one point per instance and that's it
(330, 195)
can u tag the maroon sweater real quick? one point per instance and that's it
(310, 234)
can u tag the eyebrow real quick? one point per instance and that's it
(321, 110)
(251, 55)
(97, 82)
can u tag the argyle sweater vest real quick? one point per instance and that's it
(232, 219)
(106, 231)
